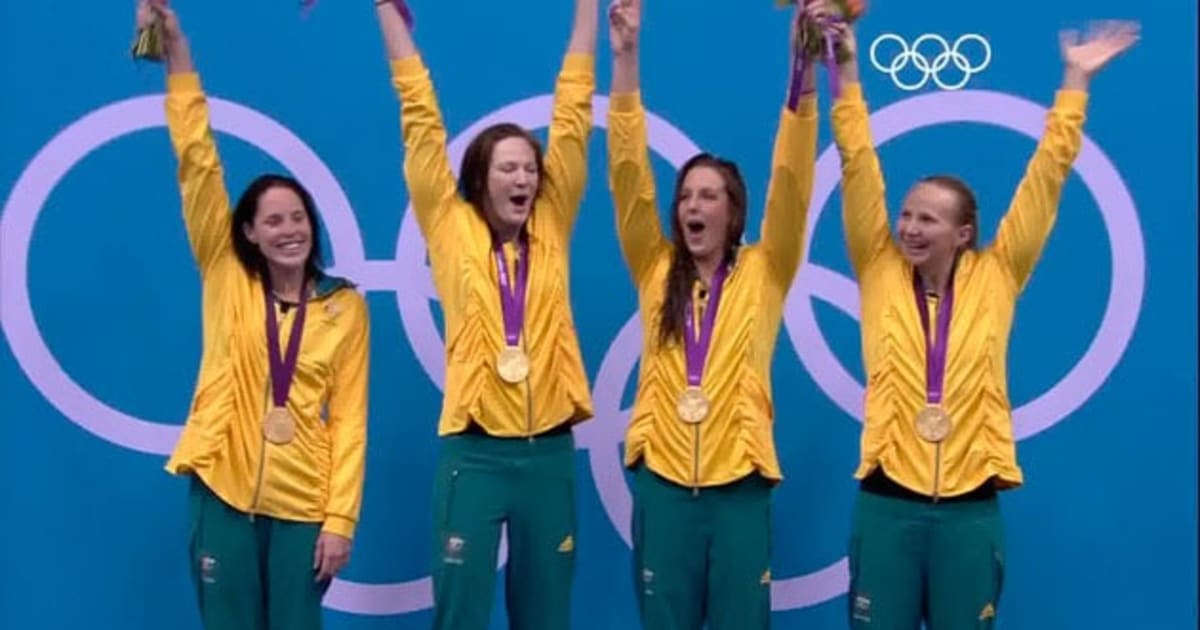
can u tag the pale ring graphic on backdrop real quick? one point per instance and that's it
(931, 67)
(409, 278)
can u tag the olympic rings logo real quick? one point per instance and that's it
(408, 277)
(930, 69)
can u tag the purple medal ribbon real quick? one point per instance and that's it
(935, 353)
(799, 72)
(697, 349)
(512, 299)
(800, 69)
(831, 65)
(282, 369)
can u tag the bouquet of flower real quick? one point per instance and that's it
(814, 37)
(149, 43)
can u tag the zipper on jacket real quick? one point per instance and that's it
(262, 463)
(262, 458)
(262, 449)
(528, 387)
(529, 410)
(937, 471)
(696, 461)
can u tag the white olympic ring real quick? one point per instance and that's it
(408, 276)
(930, 69)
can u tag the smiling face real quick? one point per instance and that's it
(512, 183)
(931, 228)
(281, 229)
(704, 212)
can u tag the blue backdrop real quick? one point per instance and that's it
(100, 303)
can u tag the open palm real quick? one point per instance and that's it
(1103, 42)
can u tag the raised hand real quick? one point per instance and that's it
(1086, 55)
(624, 21)
(150, 10)
(160, 36)
(823, 30)
(843, 32)
(812, 18)
(145, 15)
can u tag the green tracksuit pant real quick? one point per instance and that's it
(527, 486)
(252, 574)
(913, 562)
(702, 557)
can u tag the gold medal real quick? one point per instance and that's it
(512, 365)
(933, 424)
(279, 427)
(692, 406)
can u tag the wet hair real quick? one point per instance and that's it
(246, 210)
(477, 159)
(968, 209)
(682, 274)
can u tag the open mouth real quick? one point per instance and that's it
(694, 227)
(519, 200)
(291, 247)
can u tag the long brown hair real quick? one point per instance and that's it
(682, 274)
(968, 209)
(246, 210)
(477, 159)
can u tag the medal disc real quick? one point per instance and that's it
(279, 427)
(692, 406)
(512, 365)
(933, 424)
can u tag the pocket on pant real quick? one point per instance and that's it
(998, 568)
(199, 499)
(446, 508)
(448, 544)
(853, 606)
(636, 526)
(987, 616)
(200, 566)
(570, 542)
(572, 515)
(195, 513)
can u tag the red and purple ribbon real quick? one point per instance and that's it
(935, 352)
(283, 368)
(696, 346)
(512, 299)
